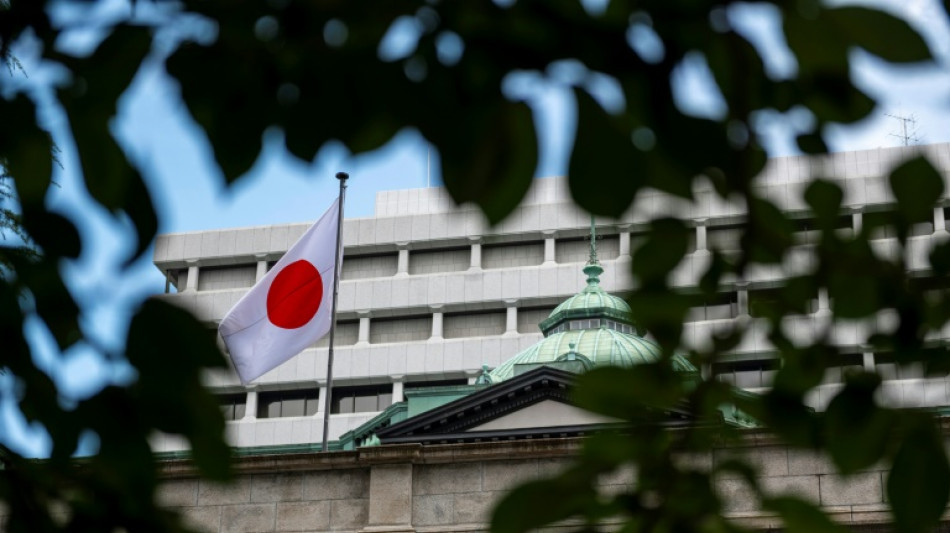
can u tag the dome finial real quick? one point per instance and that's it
(593, 242)
(593, 268)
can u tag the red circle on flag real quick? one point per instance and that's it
(295, 295)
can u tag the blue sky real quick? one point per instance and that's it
(156, 131)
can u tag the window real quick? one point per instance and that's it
(233, 406)
(280, 404)
(807, 231)
(716, 307)
(585, 324)
(361, 399)
(438, 383)
(888, 367)
(747, 374)
(619, 326)
(881, 225)
(841, 365)
(770, 302)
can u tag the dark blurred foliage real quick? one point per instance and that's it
(314, 71)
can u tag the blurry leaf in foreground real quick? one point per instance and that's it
(162, 359)
(539, 503)
(917, 186)
(918, 485)
(628, 393)
(857, 431)
(800, 516)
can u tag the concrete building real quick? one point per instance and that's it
(430, 294)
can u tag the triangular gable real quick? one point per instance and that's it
(500, 411)
(544, 414)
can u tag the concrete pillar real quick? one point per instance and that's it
(250, 404)
(261, 267)
(436, 323)
(321, 399)
(824, 306)
(192, 284)
(511, 317)
(402, 261)
(857, 221)
(476, 263)
(940, 222)
(742, 291)
(398, 385)
(624, 243)
(550, 250)
(390, 499)
(701, 246)
(363, 335)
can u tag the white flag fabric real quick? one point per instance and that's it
(290, 307)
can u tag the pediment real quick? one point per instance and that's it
(535, 404)
(544, 414)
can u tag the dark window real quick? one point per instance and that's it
(361, 399)
(233, 406)
(439, 383)
(842, 364)
(881, 225)
(719, 306)
(808, 232)
(773, 302)
(619, 326)
(279, 404)
(747, 374)
(908, 367)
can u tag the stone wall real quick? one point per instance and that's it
(443, 488)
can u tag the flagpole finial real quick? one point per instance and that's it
(342, 176)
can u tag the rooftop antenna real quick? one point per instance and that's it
(428, 165)
(908, 128)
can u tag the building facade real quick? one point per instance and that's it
(430, 294)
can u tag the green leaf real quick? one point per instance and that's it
(138, 205)
(603, 185)
(54, 233)
(663, 250)
(91, 103)
(800, 516)
(162, 359)
(857, 432)
(493, 163)
(529, 506)
(880, 33)
(824, 197)
(918, 486)
(917, 186)
(634, 393)
(26, 150)
(811, 143)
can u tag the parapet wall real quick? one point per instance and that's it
(441, 488)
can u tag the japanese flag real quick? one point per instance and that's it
(290, 307)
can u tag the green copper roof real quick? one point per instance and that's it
(600, 346)
(593, 300)
(592, 326)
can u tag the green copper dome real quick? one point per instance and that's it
(592, 347)
(590, 302)
(592, 328)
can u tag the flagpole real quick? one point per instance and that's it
(342, 176)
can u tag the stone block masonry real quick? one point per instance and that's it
(437, 488)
